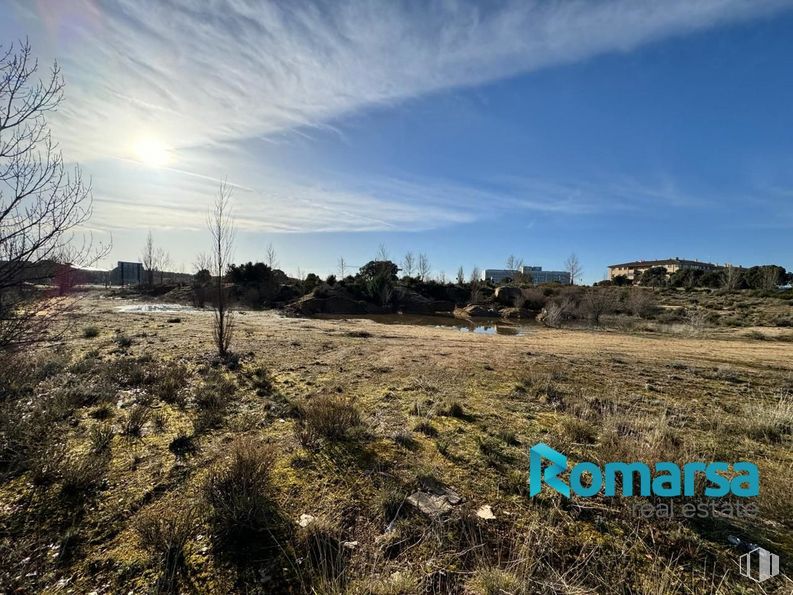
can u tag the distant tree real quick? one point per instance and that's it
(514, 264)
(311, 281)
(163, 261)
(424, 267)
(654, 277)
(408, 264)
(342, 267)
(460, 276)
(772, 276)
(378, 268)
(621, 280)
(201, 281)
(270, 257)
(597, 302)
(42, 203)
(573, 266)
(331, 280)
(475, 285)
(378, 278)
(221, 230)
(148, 257)
(382, 253)
(732, 277)
(442, 277)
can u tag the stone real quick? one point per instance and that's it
(429, 504)
(508, 295)
(485, 512)
(476, 310)
(306, 520)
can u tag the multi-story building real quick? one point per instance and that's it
(500, 275)
(538, 276)
(634, 269)
(535, 273)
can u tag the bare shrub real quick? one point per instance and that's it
(80, 476)
(90, 332)
(696, 319)
(212, 401)
(164, 533)
(772, 423)
(426, 428)
(321, 543)
(239, 494)
(578, 430)
(642, 303)
(453, 409)
(595, 303)
(495, 581)
(136, 418)
(101, 437)
(331, 416)
(169, 383)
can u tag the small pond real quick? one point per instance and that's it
(483, 326)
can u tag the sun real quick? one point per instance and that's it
(151, 151)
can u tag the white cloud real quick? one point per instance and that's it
(198, 71)
(205, 74)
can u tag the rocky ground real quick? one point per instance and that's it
(344, 456)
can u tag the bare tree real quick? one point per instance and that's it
(442, 277)
(343, 266)
(514, 264)
(423, 267)
(409, 264)
(271, 257)
(460, 276)
(148, 258)
(770, 277)
(221, 229)
(42, 204)
(731, 277)
(382, 253)
(476, 285)
(163, 261)
(573, 266)
(596, 303)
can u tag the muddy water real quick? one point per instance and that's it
(484, 326)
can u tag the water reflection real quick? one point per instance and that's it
(482, 326)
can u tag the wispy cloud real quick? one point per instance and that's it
(205, 75)
(195, 71)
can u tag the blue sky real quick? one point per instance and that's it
(617, 130)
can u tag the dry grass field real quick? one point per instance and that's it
(134, 461)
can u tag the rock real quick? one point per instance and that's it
(514, 313)
(306, 520)
(350, 545)
(434, 498)
(475, 310)
(509, 295)
(485, 512)
(429, 504)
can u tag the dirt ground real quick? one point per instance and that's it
(459, 408)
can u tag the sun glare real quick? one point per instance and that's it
(152, 152)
